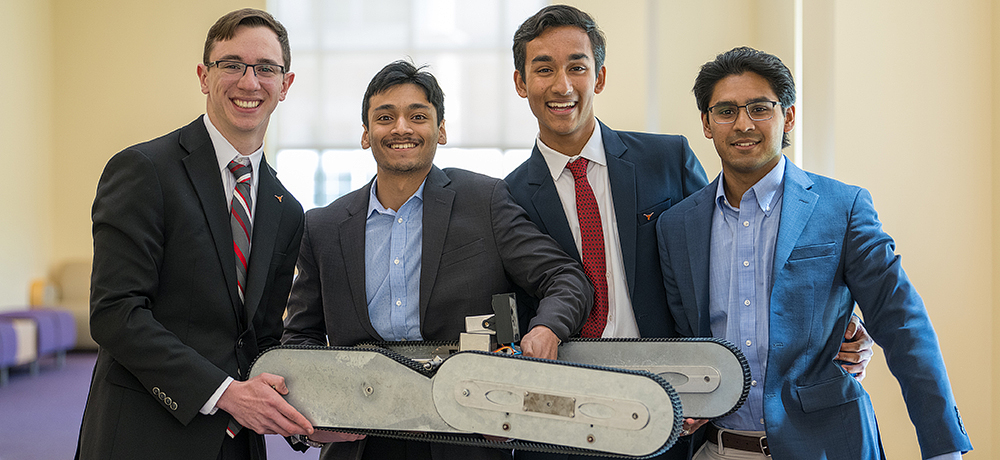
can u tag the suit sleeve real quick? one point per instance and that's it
(129, 243)
(536, 263)
(306, 324)
(897, 319)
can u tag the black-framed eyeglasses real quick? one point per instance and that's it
(726, 112)
(239, 69)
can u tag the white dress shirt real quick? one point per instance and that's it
(621, 318)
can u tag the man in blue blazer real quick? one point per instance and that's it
(773, 259)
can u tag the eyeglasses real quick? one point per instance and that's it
(726, 113)
(239, 69)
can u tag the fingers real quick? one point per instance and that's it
(852, 328)
(691, 425)
(274, 381)
(540, 342)
(325, 436)
(257, 405)
(860, 375)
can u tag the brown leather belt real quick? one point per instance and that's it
(730, 440)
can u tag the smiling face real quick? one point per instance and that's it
(748, 149)
(560, 81)
(403, 131)
(240, 107)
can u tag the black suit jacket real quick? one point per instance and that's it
(476, 243)
(164, 303)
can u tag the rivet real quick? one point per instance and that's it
(635, 416)
(369, 390)
(506, 427)
(590, 438)
(466, 392)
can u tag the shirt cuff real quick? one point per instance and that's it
(209, 407)
(949, 456)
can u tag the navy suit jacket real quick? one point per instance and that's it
(164, 305)
(648, 174)
(830, 252)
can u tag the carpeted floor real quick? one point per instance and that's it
(40, 415)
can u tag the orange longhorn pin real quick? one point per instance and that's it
(279, 197)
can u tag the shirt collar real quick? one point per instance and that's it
(225, 152)
(593, 151)
(766, 190)
(374, 205)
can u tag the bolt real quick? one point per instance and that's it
(635, 416)
(369, 390)
(465, 392)
(708, 379)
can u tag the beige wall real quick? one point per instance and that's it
(26, 228)
(81, 95)
(124, 100)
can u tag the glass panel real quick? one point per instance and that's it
(296, 169)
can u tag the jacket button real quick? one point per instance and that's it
(173, 406)
(156, 391)
(167, 401)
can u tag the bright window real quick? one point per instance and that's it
(338, 46)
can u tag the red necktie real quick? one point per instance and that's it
(239, 219)
(592, 239)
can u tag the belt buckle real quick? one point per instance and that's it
(762, 442)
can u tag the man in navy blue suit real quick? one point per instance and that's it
(559, 68)
(774, 259)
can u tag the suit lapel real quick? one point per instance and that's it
(621, 174)
(206, 179)
(698, 235)
(265, 232)
(548, 206)
(438, 201)
(351, 232)
(797, 206)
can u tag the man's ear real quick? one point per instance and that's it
(442, 135)
(365, 143)
(519, 84)
(706, 126)
(601, 75)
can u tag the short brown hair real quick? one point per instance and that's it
(225, 29)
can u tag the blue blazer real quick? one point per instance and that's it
(648, 174)
(831, 252)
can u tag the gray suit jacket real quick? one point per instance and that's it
(476, 243)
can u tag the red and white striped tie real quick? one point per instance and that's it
(239, 219)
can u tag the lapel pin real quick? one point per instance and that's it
(649, 216)
(279, 197)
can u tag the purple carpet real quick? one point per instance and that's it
(40, 415)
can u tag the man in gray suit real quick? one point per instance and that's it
(411, 254)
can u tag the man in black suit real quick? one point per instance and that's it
(411, 254)
(178, 309)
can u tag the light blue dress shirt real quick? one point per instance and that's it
(393, 246)
(742, 258)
